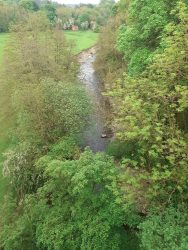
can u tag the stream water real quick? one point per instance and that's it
(94, 132)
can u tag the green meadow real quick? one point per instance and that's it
(82, 39)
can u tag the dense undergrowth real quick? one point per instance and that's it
(143, 68)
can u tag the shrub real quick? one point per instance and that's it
(167, 231)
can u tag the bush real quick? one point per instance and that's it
(66, 149)
(119, 149)
(50, 110)
(165, 231)
(78, 207)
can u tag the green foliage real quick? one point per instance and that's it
(146, 112)
(141, 35)
(45, 53)
(60, 198)
(49, 110)
(85, 16)
(29, 5)
(50, 11)
(78, 207)
(19, 167)
(3, 180)
(39, 110)
(123, 5)
(66, 149)
(89, 185)
(52, 110)
(109, 62)
(19, 235)
(47, 102)
(168, 230)
(139, 59)
(104, 11)
(119, 149)
(9, 14)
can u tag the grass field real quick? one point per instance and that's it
(82, 40)
(3, 40)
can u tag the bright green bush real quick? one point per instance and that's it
(65, 149)
(165, 231)
(77, 207)
(141, 36)
(139, 60)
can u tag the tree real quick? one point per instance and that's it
(50, 10)
(78, 207)
(168, 230)
(109, 63)
(29, 5)
(8, 15)
(147, 109)
(141, 36)
(44, 99)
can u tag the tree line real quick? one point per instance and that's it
(143, 68)
(63, 17)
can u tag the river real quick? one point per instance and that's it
(95, 135)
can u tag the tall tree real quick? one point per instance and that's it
(50, 10)
(29, 5)
(141, 36)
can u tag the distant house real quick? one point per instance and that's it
(75, 28)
